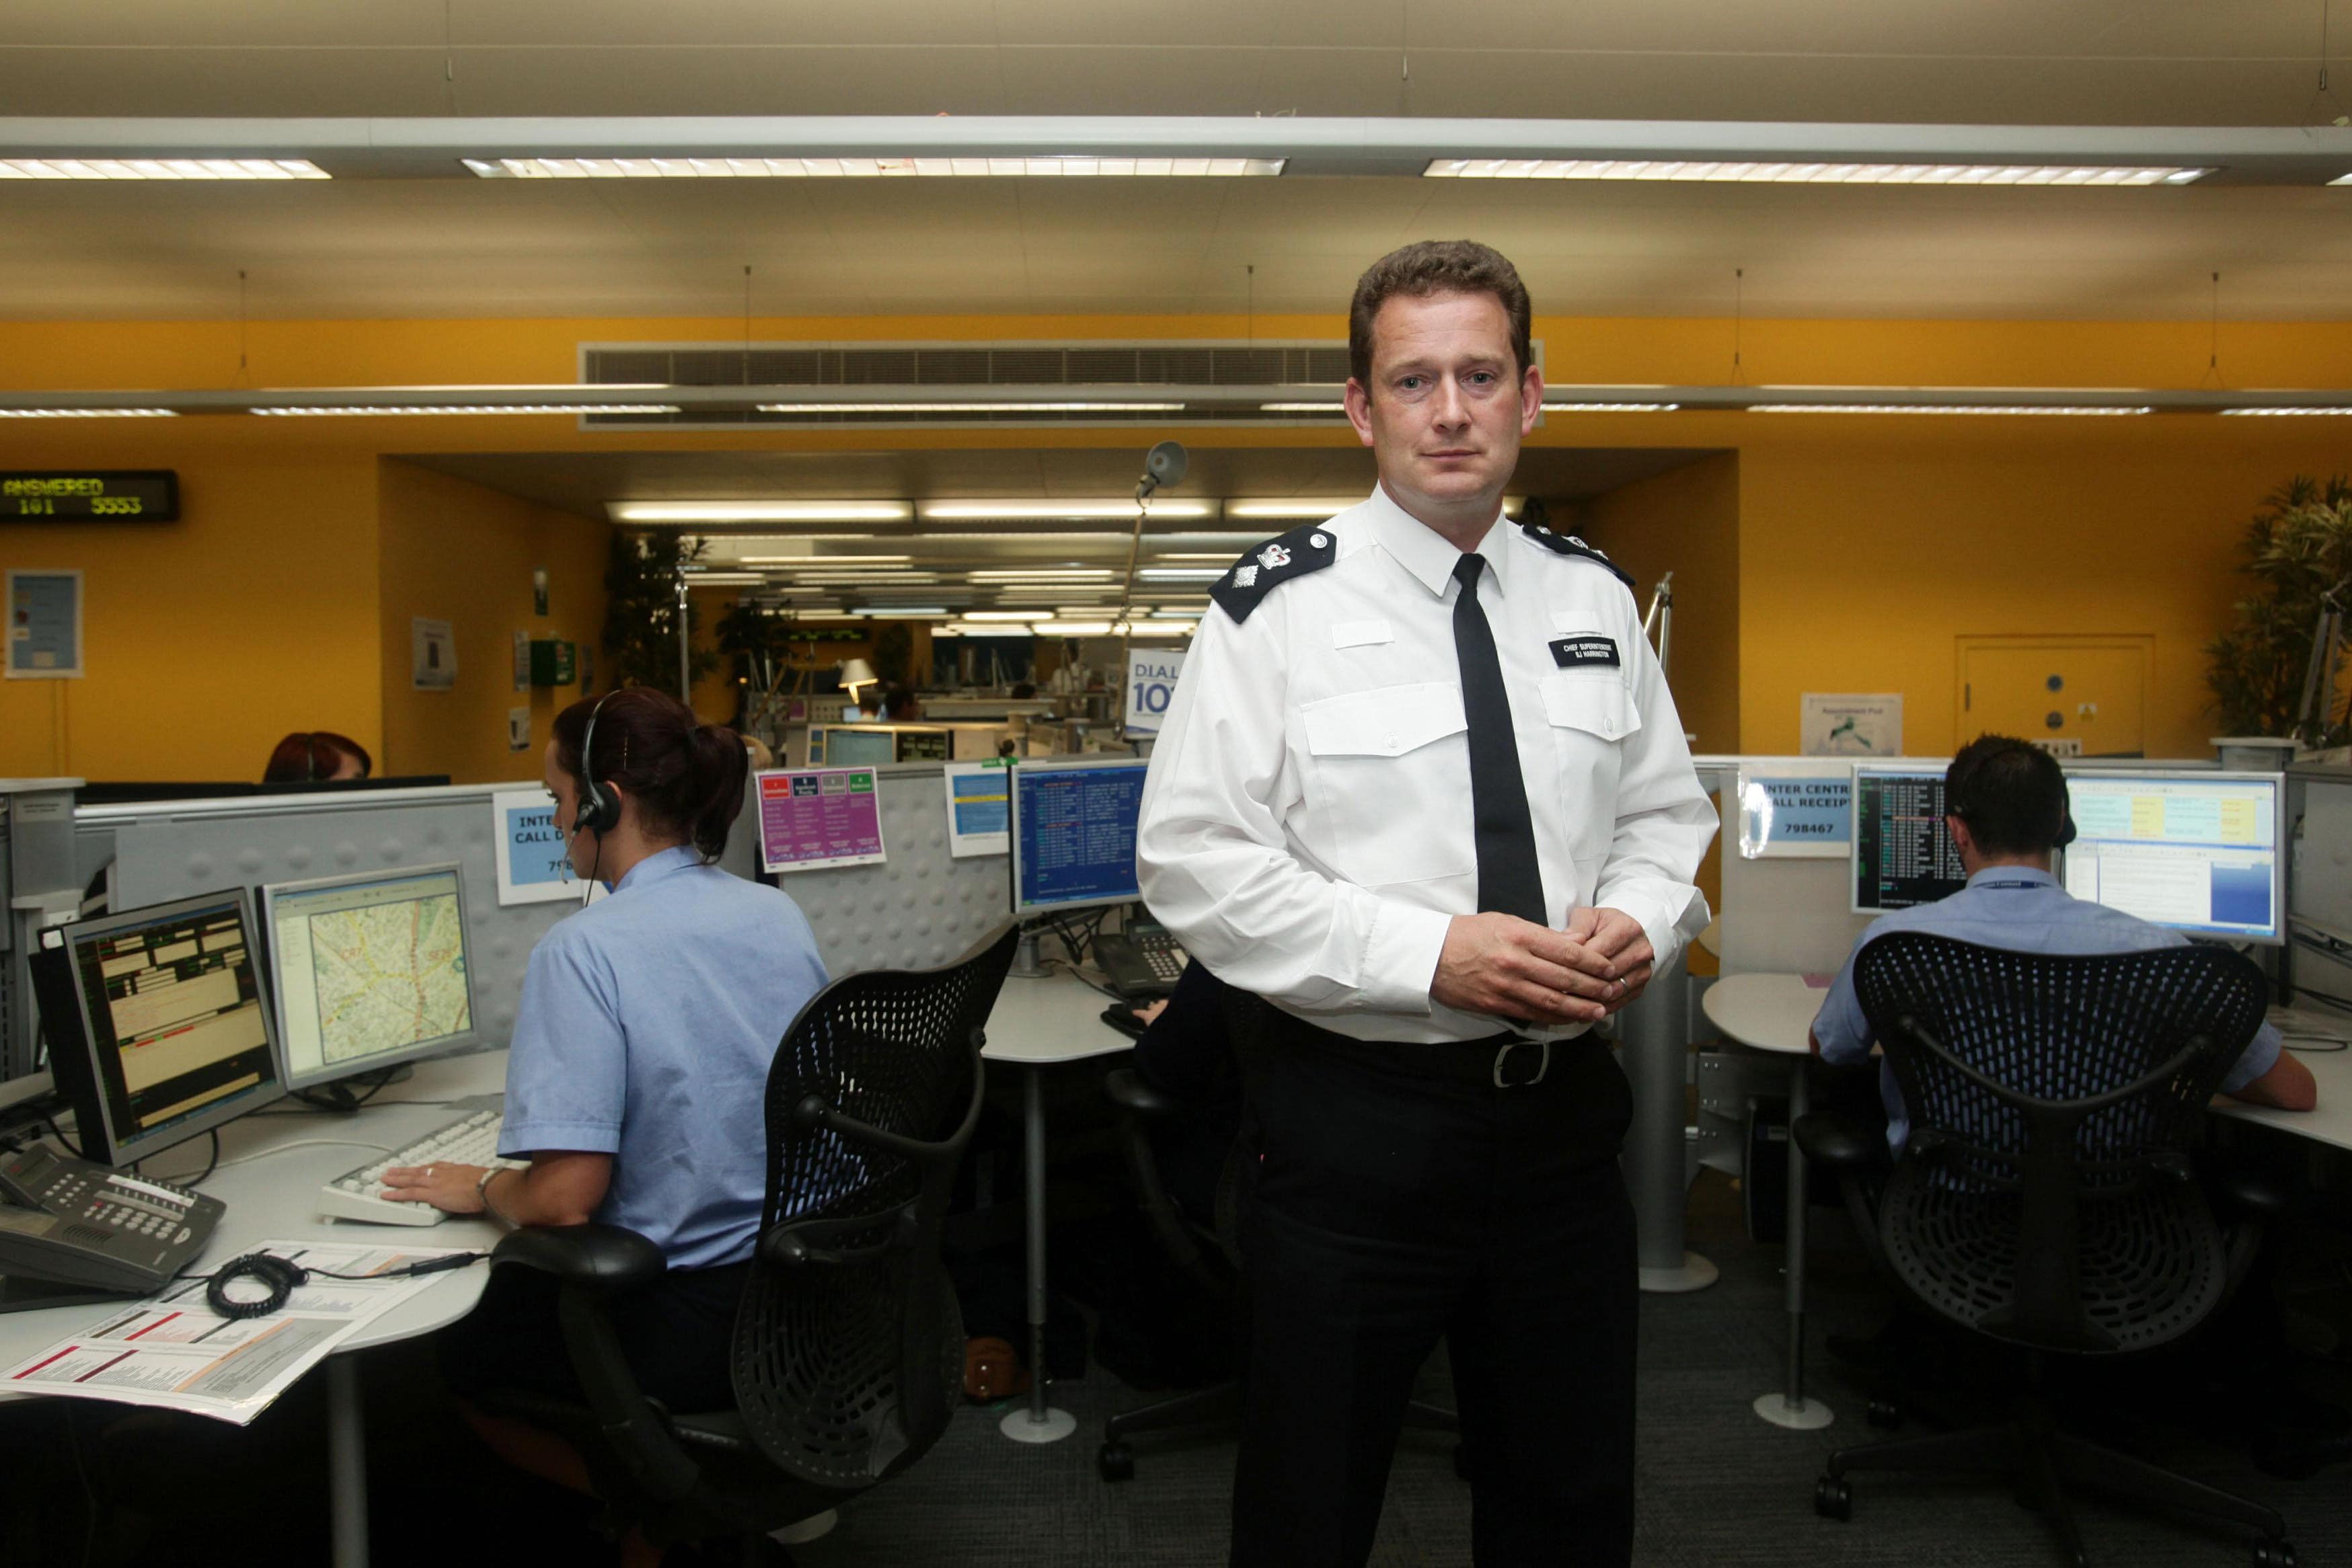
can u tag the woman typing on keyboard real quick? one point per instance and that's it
(638, 1072)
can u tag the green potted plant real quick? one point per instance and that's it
(2298, 549)
(641, 611)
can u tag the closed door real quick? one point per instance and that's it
(2086, 695)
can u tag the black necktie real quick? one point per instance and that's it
(1508, 877)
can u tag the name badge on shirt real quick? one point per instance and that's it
(1575, 653)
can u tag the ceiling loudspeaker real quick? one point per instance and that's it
(1164, 464)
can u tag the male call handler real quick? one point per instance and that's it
(1422, 789)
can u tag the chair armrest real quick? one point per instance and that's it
(1129, 1090)
(1829, 1139)
(604, 1256)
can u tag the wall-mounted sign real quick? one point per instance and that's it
(1836, 723)
(1150, 686)
(432, 654)
(118, 494)
(44, 625)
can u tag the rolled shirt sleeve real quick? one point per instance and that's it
(567, 1072)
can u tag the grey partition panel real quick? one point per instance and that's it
(921, 907)
(197, 846)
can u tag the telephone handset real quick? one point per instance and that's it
(74, 1231)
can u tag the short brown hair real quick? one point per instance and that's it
(1438, 267)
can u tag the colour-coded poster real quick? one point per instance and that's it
(980, 808)
(810, 818)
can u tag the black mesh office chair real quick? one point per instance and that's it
(1204, 1243)
(2046, 1197)
(848, 1346)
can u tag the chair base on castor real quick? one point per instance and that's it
(2043, 1463)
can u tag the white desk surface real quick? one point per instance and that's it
(1049, 1019)
(1771, 1012)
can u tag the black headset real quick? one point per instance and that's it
(598, 812)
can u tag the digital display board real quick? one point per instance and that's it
(124, 494)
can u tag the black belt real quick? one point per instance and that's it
(1503, 1060)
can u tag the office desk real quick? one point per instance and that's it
(1040, 1022)
(1775, 1013)
(272, 1197)
(2330, 1122)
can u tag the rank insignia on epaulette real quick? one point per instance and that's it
(1569, 545)
(1304, 548)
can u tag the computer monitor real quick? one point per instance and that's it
(157, 1026)
(1073, 834)
(370, 971)
(852, 745)
(1903, 855)
(2197, 851)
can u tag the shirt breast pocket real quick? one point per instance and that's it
(1591, 712)
(1393, 782)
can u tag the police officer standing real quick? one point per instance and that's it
(1422, 789)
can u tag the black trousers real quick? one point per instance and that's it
(1394, 1208)
(676, 1333)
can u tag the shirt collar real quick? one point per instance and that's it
(657, 865)
(1423, 551)
(2025, 873)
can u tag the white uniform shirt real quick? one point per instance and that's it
(1307, 823)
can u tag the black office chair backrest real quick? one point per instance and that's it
(2046, 1195)
(849, 1348)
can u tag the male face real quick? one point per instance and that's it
(1447, 404)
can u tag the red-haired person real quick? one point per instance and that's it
(316, 756)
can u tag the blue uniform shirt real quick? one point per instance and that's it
(646, 1026)
(2025, 911)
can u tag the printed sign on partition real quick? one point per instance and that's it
(1795, 810)
(531, 853)
(1150, 687)
(980, 808)
(810, 818)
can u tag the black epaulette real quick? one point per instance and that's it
(1264, 568)
(1568, 544)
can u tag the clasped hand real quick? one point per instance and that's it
(1516, 970)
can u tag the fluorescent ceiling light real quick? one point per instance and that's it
(1180, 573)
(821, 561)
(89, 413)
(1030, 166)
(1072, 628)
(1567, 407)
(759, 511)
(1175, 615)
(1042, 574)
(970, 407)
(1304, 507)
(2309, 409)
(901, 612)
(1302, 408)
(713, 578)
(1810, 174)
(384, 410)
(1008, 615)
(1080, 510)
(160, 169)
(1162, 629)
(1938, 408)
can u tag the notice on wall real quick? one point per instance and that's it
(539, 591)
(531, 853)
(522, 661)
(1833, 724)
(44, 625)
(1150, 687)
(810, 818)
(1795, 810)
(980, 808)
(432, 654)
(517, 729)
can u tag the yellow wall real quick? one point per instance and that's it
(1864, 546)
(1687, 521)
(208, 639)
(452, 551)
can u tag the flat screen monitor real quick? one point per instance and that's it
(1903, 855)
(157, 1025)
(852, 746)
(2193, 850)
(370, 971)
(1073, 834)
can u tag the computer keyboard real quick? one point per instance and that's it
(471, 1140)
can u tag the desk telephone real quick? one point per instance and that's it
(73, 1232)
(1142, 962)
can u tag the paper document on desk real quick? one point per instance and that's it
(174, 1352)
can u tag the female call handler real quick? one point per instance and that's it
(639, 1074)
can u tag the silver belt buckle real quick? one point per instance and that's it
(1543, 1063)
